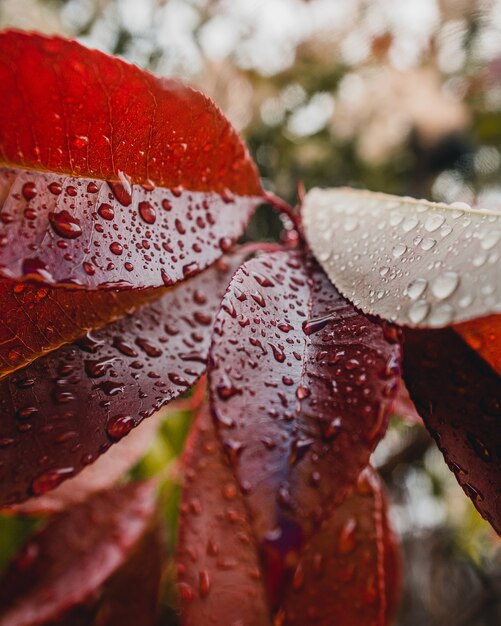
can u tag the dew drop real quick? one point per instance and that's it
(118, 426)
(106, 211)
(445, 285)
(416, 289)
(29, 191)
(147, 212)
(433, 222)
(65, 224)
(418, 311)
(399, 250)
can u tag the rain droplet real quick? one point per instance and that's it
(418, 311)
(416, 289)
(444, 285)
(399, 250)
(65, 224)
(147, 212)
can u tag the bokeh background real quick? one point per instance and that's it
(402, 96)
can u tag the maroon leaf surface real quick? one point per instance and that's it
(301, 386)
(459, 398)
(99, 563)
(219, 575)
(65, 409)
(108, 470)
(350, 572)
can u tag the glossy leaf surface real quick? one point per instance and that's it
(76, 111)
(110, 238)
(301, 386)
(108, 470)
(65, 409)
(348, 575)
(110, 178)
(459, 398)
(219, 574)
(86, 564)
(37, 318)
(350, 572)
(413, 262)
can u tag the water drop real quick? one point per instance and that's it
(118, 426)
(29, 191)
(416, 289)
(65, 224)
(444, 285)
(147, 212)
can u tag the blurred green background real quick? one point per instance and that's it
(402, 96)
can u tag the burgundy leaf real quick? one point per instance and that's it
(301, 385)
(99, 563)
(103, 474)
(154, 238)
(459, 398)
(348, 575)
(350, 572)
(65, 409)
(219, 575)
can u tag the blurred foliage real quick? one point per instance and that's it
(402, 96)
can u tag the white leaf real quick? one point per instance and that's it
(414, 262)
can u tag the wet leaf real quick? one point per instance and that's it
(65, 409)
(103, 474)
(301, 386)
(84, 566)
(38, 318)
(459, 398)
(350, 572)
(110, 178)
(410, 261)
(484, 336)
(219, 574)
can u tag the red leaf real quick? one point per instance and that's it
(98, 563)
(65, 409)
(72, 110)
(112, 178)
(459, 398)
(156, 237)
(219, 576)
(484, 336)
(37, 318)
(103, 474)
(301, 385)
(350, 572)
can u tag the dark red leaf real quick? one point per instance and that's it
(350, 572)
(99, 563)
(108, 470)
(301, 385)
(219, 575)
(37, 318)
(65, 409)
(459, 398)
